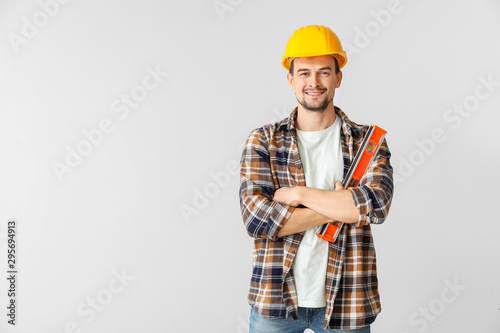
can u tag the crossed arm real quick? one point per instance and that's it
(269, 213)
(322, 206)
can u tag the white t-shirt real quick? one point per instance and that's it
(322, 161)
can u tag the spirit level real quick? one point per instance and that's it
(366, 152)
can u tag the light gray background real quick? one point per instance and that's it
(119, 210)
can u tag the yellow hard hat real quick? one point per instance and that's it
(313, 40)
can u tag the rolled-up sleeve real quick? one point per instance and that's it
(373, 195)
(263, 218)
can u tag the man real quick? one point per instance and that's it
(290, 186)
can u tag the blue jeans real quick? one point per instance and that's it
(311, 318)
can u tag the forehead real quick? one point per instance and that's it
(314, 62)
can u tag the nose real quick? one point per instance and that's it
(313, 81)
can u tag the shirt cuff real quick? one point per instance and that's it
(362, 201)
(279, 215)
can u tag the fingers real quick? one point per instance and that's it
(338, 186)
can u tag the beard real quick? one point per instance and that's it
(319, 108)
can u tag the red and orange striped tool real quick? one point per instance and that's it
(367, 151)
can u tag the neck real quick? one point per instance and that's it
(315, 120)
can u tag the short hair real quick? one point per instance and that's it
(337, 69)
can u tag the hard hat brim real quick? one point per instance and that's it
(341, 58)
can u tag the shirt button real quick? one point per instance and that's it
(299, 167)
(293, 252)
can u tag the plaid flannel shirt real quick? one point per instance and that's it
(271, 160)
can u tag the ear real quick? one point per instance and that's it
(339, 79)
(289, 77)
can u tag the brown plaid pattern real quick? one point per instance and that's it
(271, 160)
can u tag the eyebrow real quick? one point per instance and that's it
(321, 69)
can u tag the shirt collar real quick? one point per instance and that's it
(347, 125)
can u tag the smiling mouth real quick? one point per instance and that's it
(314, 93)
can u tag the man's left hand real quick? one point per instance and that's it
(288, 195)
